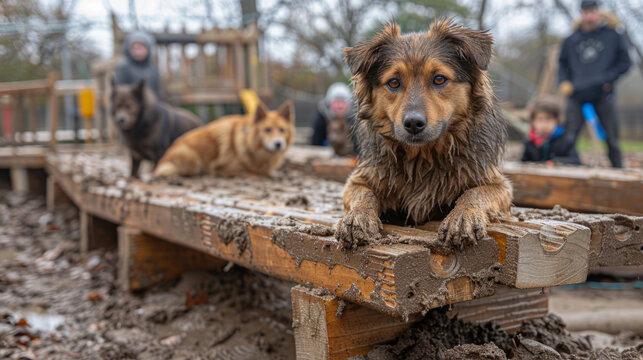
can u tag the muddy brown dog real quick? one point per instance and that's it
(148, 125)
(431, 135)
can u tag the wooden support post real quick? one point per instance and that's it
(19, 180)
(53, 110)
(95, 232)
(145, 260)
(328, 328)
(18, 119)
(36, 181)
(240, 66)
(253, 65)
(55, 195)
(508, 307)
(323, 330)
(33, 116)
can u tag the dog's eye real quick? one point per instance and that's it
(282, 130)
(393, 84)
(439, 80)
(268, 130)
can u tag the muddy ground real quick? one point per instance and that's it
(58, 304)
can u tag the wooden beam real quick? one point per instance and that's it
(29, 86)
(55, 195)
(96, 232)
(577, 189)
(53, 110)
(145, 260)
(326, 327)
(616, 240)
(19, 181)
(329, 328)
(508, 308)
(593, 190)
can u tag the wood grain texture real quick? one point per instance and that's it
(508, 308)
(145, 260)
(326, 328)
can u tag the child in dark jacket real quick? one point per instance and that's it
(545, 142)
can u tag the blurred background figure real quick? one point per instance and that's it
(591, 60)
(545, 141)
(335, 119)
(138, 49)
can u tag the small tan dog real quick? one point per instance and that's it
(233, 145)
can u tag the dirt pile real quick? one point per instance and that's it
(439, 337)
(58, 304)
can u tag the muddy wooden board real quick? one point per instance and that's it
(282, 226)
(583, 189)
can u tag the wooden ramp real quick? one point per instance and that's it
(583, 189)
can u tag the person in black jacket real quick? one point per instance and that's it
(138, 65)
(591, 61)
(545, 141)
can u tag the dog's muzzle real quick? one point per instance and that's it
(276, 145)
(416, 130)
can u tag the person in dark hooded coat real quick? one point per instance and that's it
(139, 48)
(591, 60)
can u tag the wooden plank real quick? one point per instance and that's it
(95, 232)
(594, 190)
(328, 328)
(577, 189)
(29, 86)
(556, 253)
(145, 260)
(55, 195)
(53, 110)
(33, 115)
(508, 308)
(19, 181)
(616, 240)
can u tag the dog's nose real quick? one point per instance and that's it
(414, 123)
(121, 119)
(278, 145)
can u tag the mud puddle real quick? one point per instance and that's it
(58, 304)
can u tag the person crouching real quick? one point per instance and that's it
(545, 142)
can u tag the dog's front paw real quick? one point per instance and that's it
(357, 228)
(463, 226)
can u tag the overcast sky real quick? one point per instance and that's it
(155, 14)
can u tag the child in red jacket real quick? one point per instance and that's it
(544, 141)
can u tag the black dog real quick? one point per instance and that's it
(148, 125)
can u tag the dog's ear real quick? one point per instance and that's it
(287, 111)
(473, 46)
(139, 89)
(363, 56)
(261, 112)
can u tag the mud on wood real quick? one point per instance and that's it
(264, 224)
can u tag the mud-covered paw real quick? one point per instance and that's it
(357, 228)
(463, 226)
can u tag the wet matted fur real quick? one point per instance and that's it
(430, 132)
